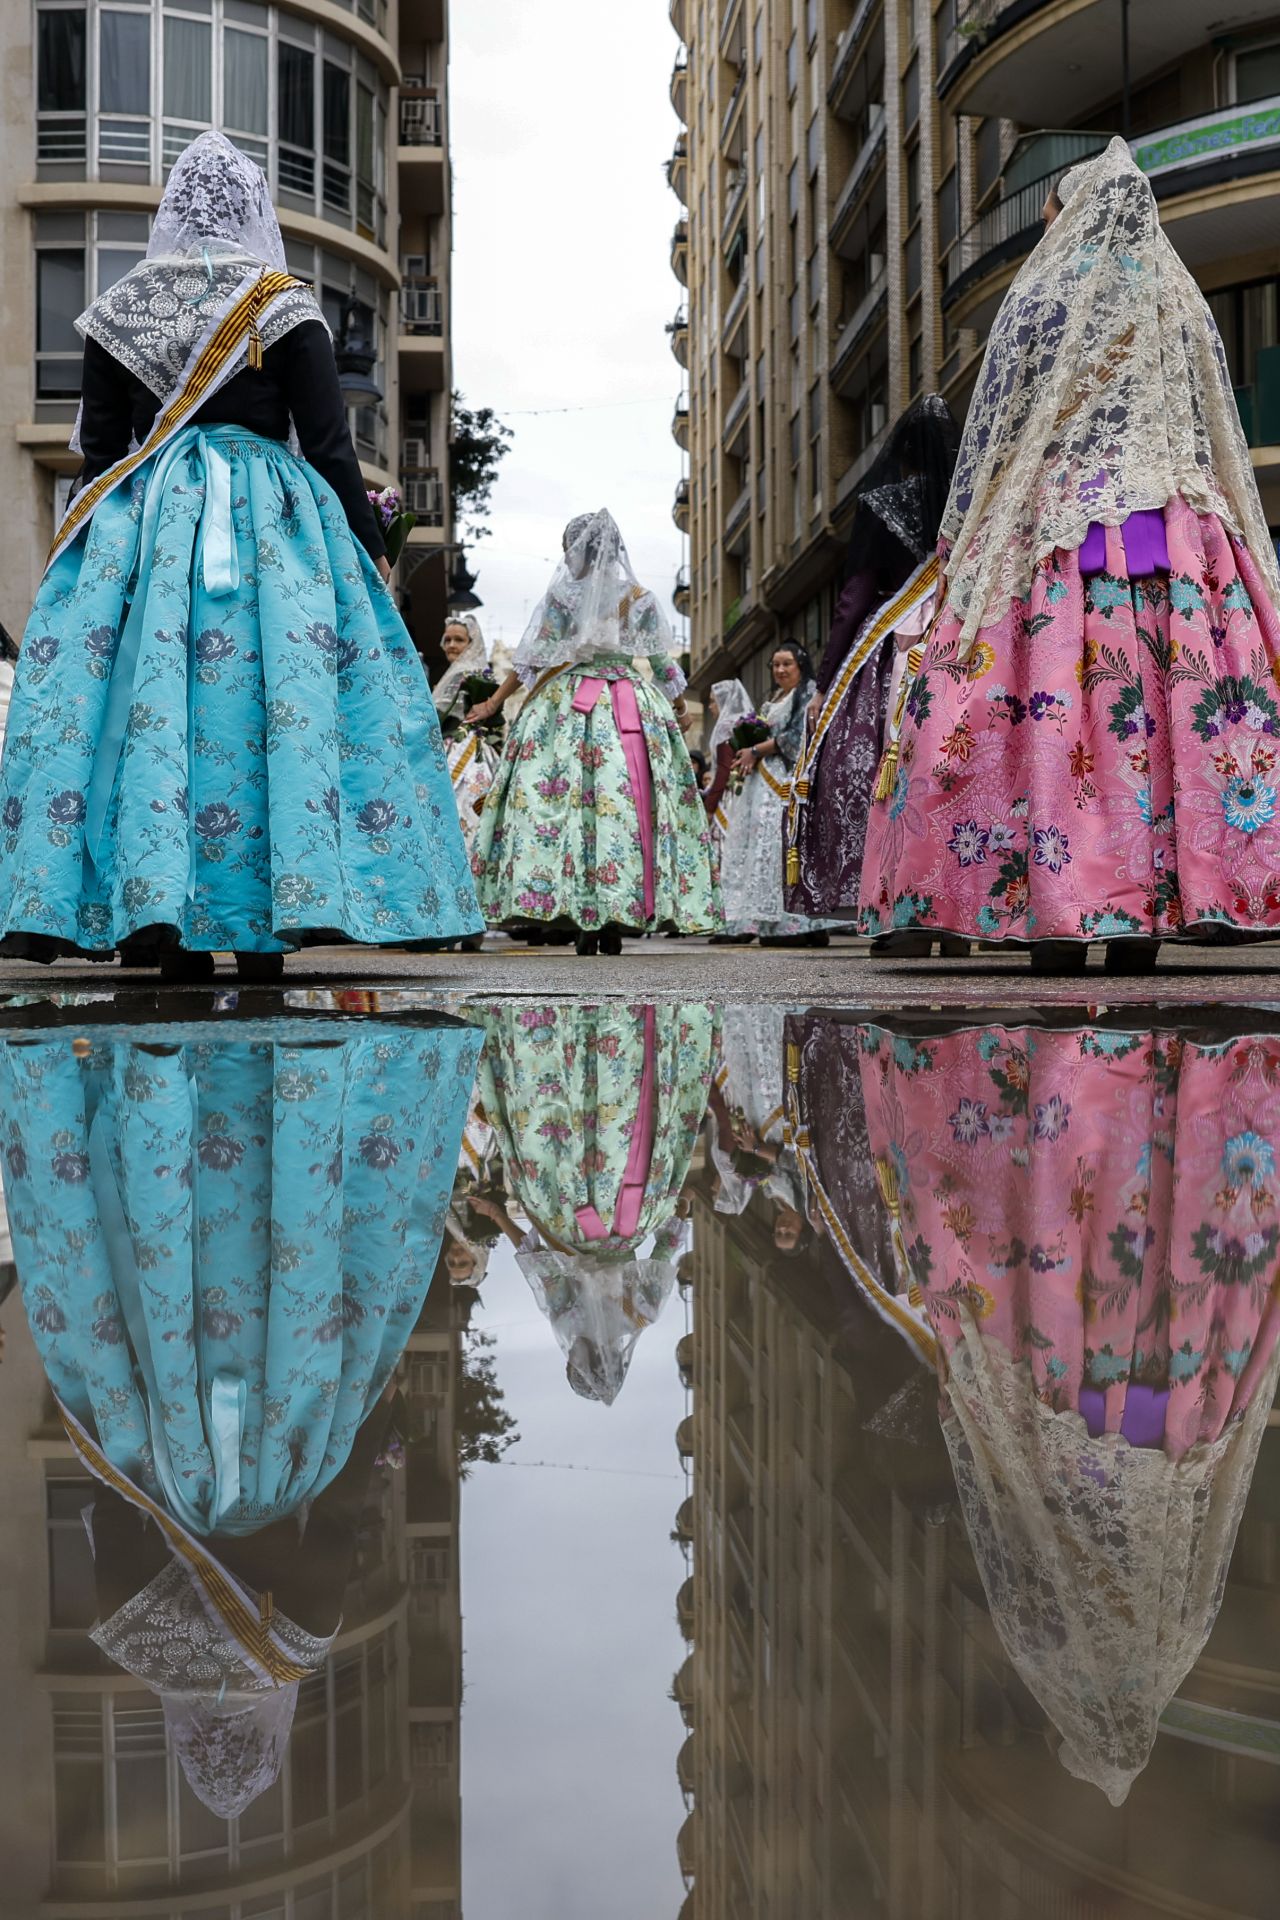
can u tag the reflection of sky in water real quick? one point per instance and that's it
(569, 1582)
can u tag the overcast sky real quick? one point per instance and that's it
(561, 124)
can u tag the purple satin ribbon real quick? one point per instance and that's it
(1146, 545)
(1142, 1421)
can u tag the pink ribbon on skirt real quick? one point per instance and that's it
(635, 1176)
(626, 718)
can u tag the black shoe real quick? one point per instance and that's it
(818, 938)
(611, 942)
(730, 939)
(472, 944)
(260, 969)
(180, 968)
(908, 943)
(954, 946)
(587, 944)
(1132, 956)
(1060, 957)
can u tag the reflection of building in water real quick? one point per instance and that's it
(96, 1815)
(859, 1743)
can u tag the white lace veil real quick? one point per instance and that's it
(226, 1720)
(734, 702)
(215, 232)
(593, 606)
(474, 660)
(1104, 1564)
(1104, 390)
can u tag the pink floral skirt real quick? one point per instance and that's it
(1105, 1206)
(1104, 763)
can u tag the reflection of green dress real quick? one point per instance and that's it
(224, 1239)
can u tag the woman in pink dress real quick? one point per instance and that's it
(1090, 750)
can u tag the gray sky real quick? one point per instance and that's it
(570, 1804)
(561, 123)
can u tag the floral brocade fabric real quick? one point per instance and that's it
(1105, 761)
(1104, 1206)
(559, 839)
(280, 771)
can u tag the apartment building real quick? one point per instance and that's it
(344, 103)
(860, 181)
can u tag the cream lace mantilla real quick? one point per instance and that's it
(1104, 1564)
(1104, 391)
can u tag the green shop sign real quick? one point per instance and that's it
(1255, 126)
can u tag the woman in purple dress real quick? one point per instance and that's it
(884, 609)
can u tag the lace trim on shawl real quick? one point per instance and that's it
(167, 1638)
(1104, 1564)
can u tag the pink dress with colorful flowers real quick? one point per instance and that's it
(1104, 763)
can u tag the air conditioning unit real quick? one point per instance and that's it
(416, 266)
(425, 497)
(414, 456)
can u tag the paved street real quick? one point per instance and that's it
(843, 974)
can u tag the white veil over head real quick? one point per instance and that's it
(215, 233)
(1104, 391)
(593, 606)
(734, 704)
(474, 660)
(598, 1308)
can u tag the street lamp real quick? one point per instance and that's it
(461, 582)
(356, 354)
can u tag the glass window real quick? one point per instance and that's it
(911, 93)
(124, 63)
(364, 157)
(244, 81)
(913, 184)
(1258, 72)
(81, 1810)
(60, 300)
(793, 65)
(60, 85)
(948, 211)
(188, 70)
(297, 114)
(337, 137)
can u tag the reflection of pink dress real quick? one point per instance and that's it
(1104, 1207)
(1104, 762)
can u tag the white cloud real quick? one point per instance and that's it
(561, 124)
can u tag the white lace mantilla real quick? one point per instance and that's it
(1104, 1564)
(1104, 391)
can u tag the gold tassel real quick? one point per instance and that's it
(793, 866)
(793, 1059)
(887, 778)
(255, 338)
(887, 1179)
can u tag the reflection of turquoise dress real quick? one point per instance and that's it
(225, 1240)
(220, 725)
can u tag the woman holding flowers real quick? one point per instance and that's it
(221, 736)
(595, 824)
(1091, 748)
(766, 746)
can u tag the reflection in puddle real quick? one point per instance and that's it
(967, 1341)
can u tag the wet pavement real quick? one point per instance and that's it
(473, 1450)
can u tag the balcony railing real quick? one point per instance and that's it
(680, 83)
(868, 155)
(975, 22)
(1011, 226)
(847, 47)
(736, 416)
(735, 193)
(678, 170)
(730, 112)
(1243, 128)
(867, 310)
(678, 333)
(421, 120)
(734, 314)
(421, 307)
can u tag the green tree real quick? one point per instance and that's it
(479, 445)
(485, 1428)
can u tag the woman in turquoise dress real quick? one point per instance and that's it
(594, 823)
(224, 1243)
(221, 736)
(597, 1112)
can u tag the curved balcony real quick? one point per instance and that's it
(684, 1521)
(682, 598)
(678, 171)
(680, 252)
(684, 1359)
(678, 334)
(994, 247)
(687, 1768)
(680, 423)
(684, 1432)
(680, 87)
(680, 512)
(1048, 61)
(684, 1608)
(678, 14)
(682, 1690)
(1216, 179)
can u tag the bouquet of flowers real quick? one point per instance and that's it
(750, 731)
(477, 688)
(394, 518)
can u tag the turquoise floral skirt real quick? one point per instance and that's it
(560, 839)
(220, 730)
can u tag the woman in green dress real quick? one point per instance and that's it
(594, 823)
